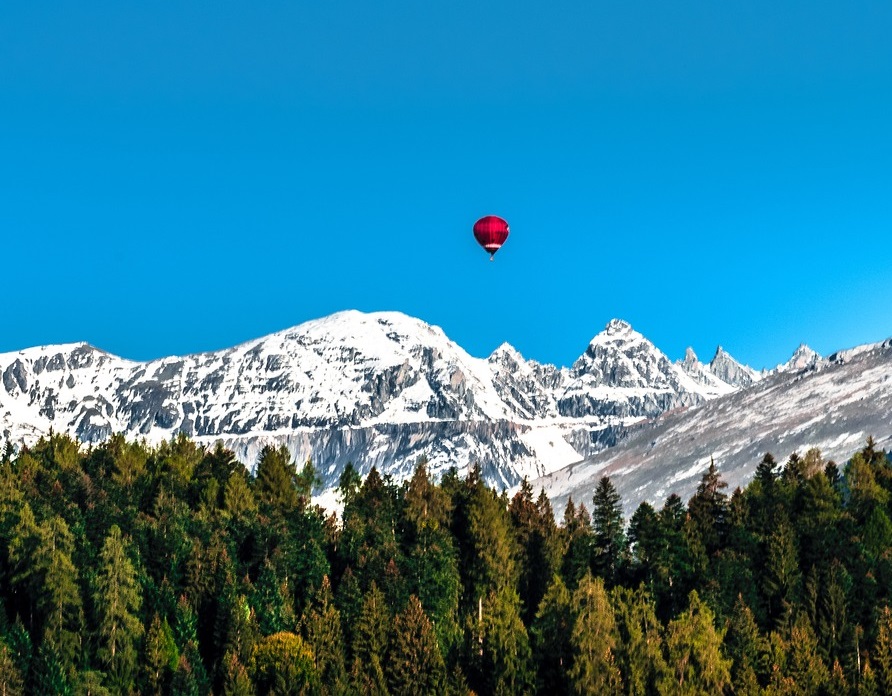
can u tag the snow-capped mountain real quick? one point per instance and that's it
(832, 404)
(375, 389)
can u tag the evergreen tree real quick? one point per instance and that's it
(505, 659)
(782, 574)
(11, 681)
(708, 510)
(237, 682)
(51, 676)
(275, 479)
(639, 650)
(431, 558)
(578, 540)
(118, 600)
(881, 657)
(746, 647)
(414, 665)
(804, 664)
(370, 638)
(551, 639)
(58, 599)
(161, 657)
(238, 498)
(91, 683)
(608, 544)
(594, 669)
(322, 631)
(693, 646)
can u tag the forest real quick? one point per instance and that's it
(134, 569)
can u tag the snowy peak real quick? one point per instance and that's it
(690, 362)
(619, 356)
(732, 372)
(618, 326)
(376, 389)
(709, 383)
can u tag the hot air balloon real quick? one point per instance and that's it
(491, 232)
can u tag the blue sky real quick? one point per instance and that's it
(183, 178)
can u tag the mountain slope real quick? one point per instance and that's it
(377, 389)
(832, 404)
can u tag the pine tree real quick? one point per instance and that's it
(506, 659)
(551, 639)
(804, 664)
(694, 654)
(118, 600)
(11, 681)
(42, 557)
(238, 498)
(882, 651)
(608, 544)
(237, 682)
(578, 540)
(431, 557)
(370, 638)
(745, 646)
(50, 676)
(160, 657)
(639, 650)
(594, 669)
(92, 683)
(782, 574)
(415, 665)
(708, 510)
(322, 631)
(275, 479)
(348, 600)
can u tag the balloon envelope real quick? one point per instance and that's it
(491, 232)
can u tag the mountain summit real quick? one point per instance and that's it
(378, 389)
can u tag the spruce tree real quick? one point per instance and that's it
(550, 636)
(594, 669)
(746, 647)
(608, 543)
(708, 510)
(12, 682)
(506, 665)
(639, 650)
(693, 646)
(275, 479)
(322, 631)
(370, 639)
(160, 657)
(414, 664)
(118, 600)
(881, 657)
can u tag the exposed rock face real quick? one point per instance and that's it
(832, 405)
(376, 389)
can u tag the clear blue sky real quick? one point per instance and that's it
(180, 177)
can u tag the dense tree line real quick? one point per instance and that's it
(126, 568)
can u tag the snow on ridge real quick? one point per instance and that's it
(380, 385)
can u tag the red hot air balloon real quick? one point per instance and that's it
(491, 232)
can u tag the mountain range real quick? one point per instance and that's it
(383, 389)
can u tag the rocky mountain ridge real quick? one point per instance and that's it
(376, 389)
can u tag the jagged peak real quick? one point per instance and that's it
(617, 326)
(505, 350)
(802, 357)
(690, 356)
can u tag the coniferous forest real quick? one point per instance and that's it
(131, 569)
